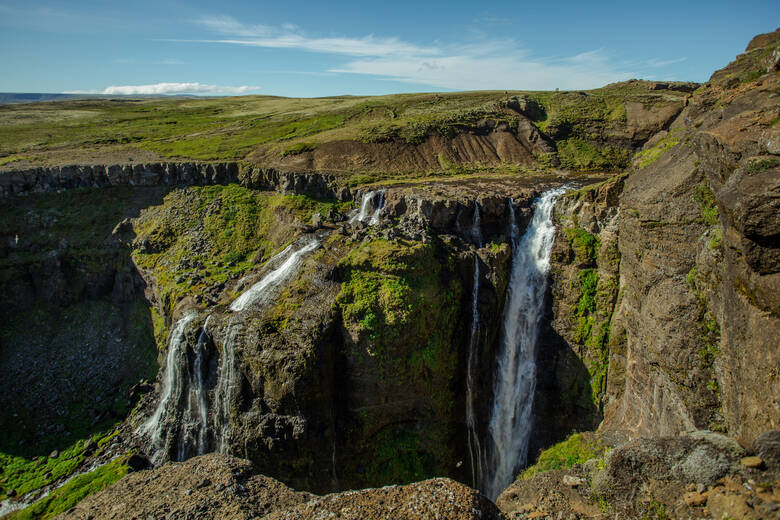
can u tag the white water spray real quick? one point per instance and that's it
(515, 379)
(475, 449)
(227, 386)
(260, 291)
(172, 387)
(371, 205)
(194, 421)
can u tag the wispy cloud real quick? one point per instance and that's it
(290, 37)
(657, 63)
(487, 64)
(169, 88)
(479, 71)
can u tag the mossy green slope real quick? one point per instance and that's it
(201, 237)
(400, 303)
(81, 486)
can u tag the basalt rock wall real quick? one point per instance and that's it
(39, 180)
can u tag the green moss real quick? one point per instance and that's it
(709, 329)
(403, 303)
(761, 164)
(647, 157)
(202, 236)
(392, 294)
(585, 245)
(80, 487)
(707, 205)
(716, 238)
(297, 148)
(579, 154)
(25, 474)
(574, 450)
(593, 314)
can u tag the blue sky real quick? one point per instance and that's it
(294, 48)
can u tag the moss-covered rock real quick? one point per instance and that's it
(400, 301)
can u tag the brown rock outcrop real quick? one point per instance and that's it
(224, 487)
(700, 267)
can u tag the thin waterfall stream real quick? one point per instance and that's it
(511, 419)
(474, 448)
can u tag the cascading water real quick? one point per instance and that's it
(183, 408)
(475, 450)
(227, 384)
(192, 432)
(515, 378)
(291, 259)
(378, 211)
(173, 379)
(259, 291)
(371, 205)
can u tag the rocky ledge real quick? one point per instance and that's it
(39, 180)
(223, 487)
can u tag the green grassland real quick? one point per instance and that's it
(256, 128)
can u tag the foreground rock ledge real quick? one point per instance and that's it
(223, 487)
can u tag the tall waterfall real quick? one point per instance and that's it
(228, 383)
(475, 450)
(515, 378)
(194, 427)
(371, 205)
(227, 386)
(174, 379)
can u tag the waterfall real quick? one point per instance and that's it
(515, 378)
(259, 292)
(227, 384)
(183, 407)
(378, 211)
(173, 379)
(475, 450)
(194, 422)
(371, 205)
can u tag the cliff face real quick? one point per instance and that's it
(691, 341)
(353, 372)
(663, 310)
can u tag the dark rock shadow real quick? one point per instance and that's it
(76, 331)
(563, 401)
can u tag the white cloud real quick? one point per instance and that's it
(489, 64)
(169, 88)
(485, 72)
(290, 37)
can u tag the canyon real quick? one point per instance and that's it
(584, 299)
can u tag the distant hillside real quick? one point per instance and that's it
(595, 130)
(7, 98)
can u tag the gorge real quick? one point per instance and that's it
(576, 288)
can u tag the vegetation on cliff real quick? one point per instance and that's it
(400, 302)
(200, 238)
(76, 489)
(586, 130)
